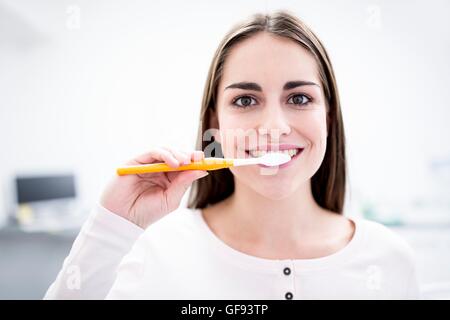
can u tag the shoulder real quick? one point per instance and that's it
(385, 243)
(175, 228)
(180, 216)
(387, 252)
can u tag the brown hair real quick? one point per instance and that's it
(329, 182)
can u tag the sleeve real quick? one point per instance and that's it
(413, 288)
(408, 262)
(89, 270)
(130, 274)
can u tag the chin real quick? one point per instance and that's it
(275, 186)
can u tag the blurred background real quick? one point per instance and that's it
(87, 85)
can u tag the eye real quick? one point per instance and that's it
(299, 99)
(244, 101)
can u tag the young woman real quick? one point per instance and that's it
(248, 232)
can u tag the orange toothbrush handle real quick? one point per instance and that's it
(205, 164)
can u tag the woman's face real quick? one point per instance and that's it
(270, 98)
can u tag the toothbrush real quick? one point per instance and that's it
(269, 159)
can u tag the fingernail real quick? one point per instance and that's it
(204, 174)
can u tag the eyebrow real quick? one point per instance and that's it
(256, 87)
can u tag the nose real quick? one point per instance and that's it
(274, 123)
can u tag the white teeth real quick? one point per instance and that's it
(260, 153)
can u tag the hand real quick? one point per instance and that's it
(145, 198)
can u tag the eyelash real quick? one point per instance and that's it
(234, 102)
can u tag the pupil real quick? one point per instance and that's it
(246, 101)
(298, 99)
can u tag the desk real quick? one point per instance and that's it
(29, 262)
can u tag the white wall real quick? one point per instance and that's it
(130, 75)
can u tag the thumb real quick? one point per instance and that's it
(181, 183)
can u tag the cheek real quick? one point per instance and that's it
(315, 131)
(235, 134)
(314, 128)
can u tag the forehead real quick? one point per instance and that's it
(269, 59)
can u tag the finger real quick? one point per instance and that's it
(181, 156)
(155, 155)
(197, 156)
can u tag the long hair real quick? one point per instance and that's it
(329, 182)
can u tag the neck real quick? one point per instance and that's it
(264, 220)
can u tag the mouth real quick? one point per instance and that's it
(294, 153)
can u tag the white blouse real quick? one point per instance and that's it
(179, 257)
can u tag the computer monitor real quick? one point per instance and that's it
(48, 187)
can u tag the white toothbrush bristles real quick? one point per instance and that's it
(274, 159)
